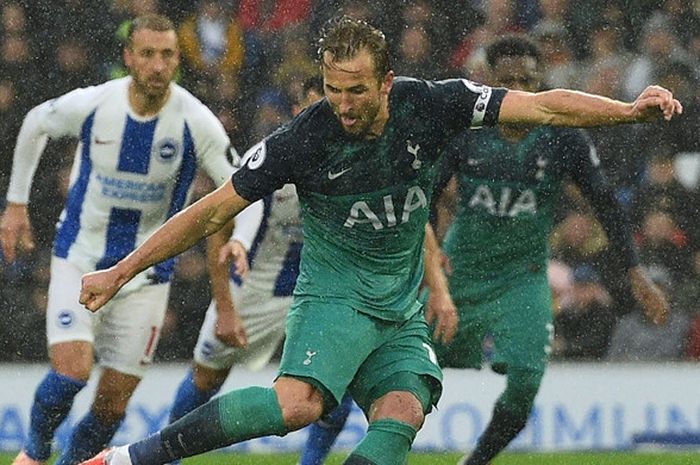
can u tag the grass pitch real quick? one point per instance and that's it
(581, 458)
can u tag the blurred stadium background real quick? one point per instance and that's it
(246, 59)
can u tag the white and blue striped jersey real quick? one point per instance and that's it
(276, 247)
(130, 173)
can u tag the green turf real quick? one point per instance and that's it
(589, 458)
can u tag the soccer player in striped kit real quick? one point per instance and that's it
(141, 140)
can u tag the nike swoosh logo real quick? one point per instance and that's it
(99, 141)
(333, 176)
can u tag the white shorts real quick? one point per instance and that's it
(264, 318)
(124, 333)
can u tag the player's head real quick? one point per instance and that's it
(357, 76)
(514, 62)
(151, 54)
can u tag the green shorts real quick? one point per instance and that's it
(519, 320)
(337, 349)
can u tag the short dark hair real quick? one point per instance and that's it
(344, 37)
(512, 45)
(152, 22)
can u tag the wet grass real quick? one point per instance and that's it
(578, 458)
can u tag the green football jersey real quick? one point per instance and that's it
(507, 196)
(365, 203)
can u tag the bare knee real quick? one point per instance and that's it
(207, 379)
(112, 396)
(301, 403)
(73, 359)
(398, 405)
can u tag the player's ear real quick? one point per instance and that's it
(387, 83)
(127, 57)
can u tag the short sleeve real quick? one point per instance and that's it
(462, 104)
(265, 167)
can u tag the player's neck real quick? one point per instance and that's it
(380, 121)
(145, 105)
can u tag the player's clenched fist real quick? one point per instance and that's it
(98, 287)
(655, 100)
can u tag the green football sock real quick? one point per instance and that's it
(502, 429)
(387, 442)
(250, 413)
(509, 415)
(234, 417)
(521, 389)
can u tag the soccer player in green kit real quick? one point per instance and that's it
(363, 160)
(505, 183)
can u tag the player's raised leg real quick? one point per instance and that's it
(233, 417)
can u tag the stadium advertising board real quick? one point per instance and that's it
(579, 407)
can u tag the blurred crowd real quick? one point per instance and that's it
(247, 59)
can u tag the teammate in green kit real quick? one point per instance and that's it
(363, 160)
(505, 184)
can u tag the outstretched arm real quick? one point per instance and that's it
(179, 233)
(562, 107)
